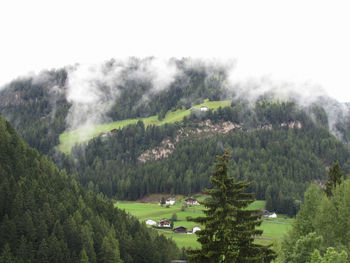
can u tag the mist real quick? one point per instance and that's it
(93, 89)
(304, 94)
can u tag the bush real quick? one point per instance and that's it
(174, 217)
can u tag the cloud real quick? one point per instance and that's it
(92, 89)
(305, 94)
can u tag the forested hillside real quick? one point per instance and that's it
(46, 216)
(40, 108)
(37, 108)
(281, 158)
(280, 144)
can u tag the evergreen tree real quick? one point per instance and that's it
(334, 178)
(83, 257)
(229, 227)
(110, 250)
(7, 256)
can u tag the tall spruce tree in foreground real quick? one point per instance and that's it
(229, 230)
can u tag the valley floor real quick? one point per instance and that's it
(274, 228)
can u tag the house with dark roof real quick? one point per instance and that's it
(164, 223)
(180, 230)
(191, 201)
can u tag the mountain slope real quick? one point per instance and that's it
(37, 107)
(282, 158)
(43, 106)
(46, 216)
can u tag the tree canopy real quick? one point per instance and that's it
(320, 232)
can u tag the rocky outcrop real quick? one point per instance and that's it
(203, 129)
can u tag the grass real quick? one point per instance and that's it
(70, 138)
(274, 229)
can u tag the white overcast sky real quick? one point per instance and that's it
(286, 40)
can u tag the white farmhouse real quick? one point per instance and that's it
(191, 201)
(151, 222)
(195, 229)
(269, 214)
(170, 201)
(204, 108)
(272, 215)
(164, 223)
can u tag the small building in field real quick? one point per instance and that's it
(180, 230)
(272, 215)
(204, 108)
(191, 201)
(114, 131)
(195, 229)
(164, 223)
(170, 201)
(151, 222)
(268, 214)
(103, 134)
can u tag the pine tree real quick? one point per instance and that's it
(110, 250)
(83, 256)
(229, 228)
(334, 178)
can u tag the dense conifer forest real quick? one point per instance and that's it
(46, 216)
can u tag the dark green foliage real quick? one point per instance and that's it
(46, 216)
(174, 217)
(110, 250)
(281, 161)
(229, 230)
(334, 178)
(162, 201)
(37, 108)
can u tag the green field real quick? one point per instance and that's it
(274, 229)
(69, 139)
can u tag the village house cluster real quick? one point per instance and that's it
(166, 223)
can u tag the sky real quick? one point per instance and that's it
(295, 41)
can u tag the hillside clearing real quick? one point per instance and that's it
(70, 138)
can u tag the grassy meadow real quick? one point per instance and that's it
(274, 229)
(70, 138)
